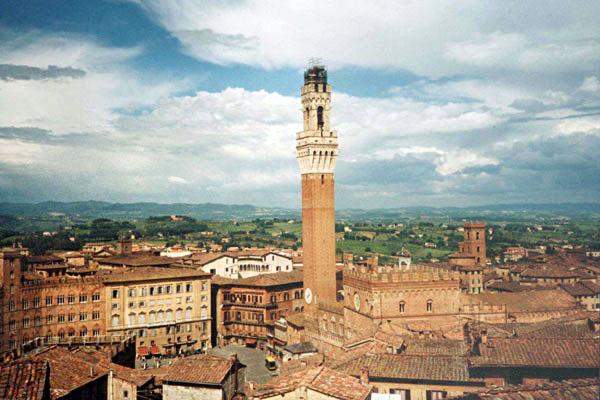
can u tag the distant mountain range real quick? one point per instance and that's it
(98, 209)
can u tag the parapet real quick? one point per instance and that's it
(475, 224)
(412, 274)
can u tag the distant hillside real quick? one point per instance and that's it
(97, 209)
(211, 211)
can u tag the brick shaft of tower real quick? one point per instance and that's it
(317, 150)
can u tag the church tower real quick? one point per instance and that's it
(317, 150)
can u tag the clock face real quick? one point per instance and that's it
(357, 301)
(308, 296)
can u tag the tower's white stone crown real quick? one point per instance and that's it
(316, 145)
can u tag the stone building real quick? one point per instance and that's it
(52, 308)
(241, 264)
(471, 251)
(205, 377)
(168, 309)
(246, 310)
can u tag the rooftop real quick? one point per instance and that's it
(203, 369)
(321, 379)
(582, 389)
(272, 279)
(412, 367)
(23, 380)
(137, 261)
(435, 347)
(531, 300)
(300, 348)
(538, 352)
(152, 273)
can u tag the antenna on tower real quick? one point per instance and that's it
(315, 62)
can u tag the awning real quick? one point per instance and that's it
(143, 351)
(279, 342)
(250, 341)
(154, 350)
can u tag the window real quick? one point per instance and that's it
(476, 235)
(159, 290)
(115, 320)
(116, 293)
(160, 316)
(49, 319)
(12, 289)
(96, 332)
(188, 299)
(131, 292)
(83, 332)
(131, 304)
(204, 285)
(429, 305)
(188, 287)
(12, 325)
(25, 304)
(115, 306)
(169, 315)
(125, 394)
(61, 318)
(203, 298)
(11, 306)
(71, 317)
(12, 274)
(96, 297)
(37, 302)
(151, 317)
(83, 298)
(401, 306)
(404, 393)
(26, 323)
(48, 301)
(71, 299)
(83, 316)
(143, 291)
(435, 395)
(96, 315)
(188, 313)
(178, 314)
(131, 319)
(168, 289)
(178, 288)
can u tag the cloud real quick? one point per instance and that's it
(590, 84)
(443, 39)
(24, 72)
(178, 180)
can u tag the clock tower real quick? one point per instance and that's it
(317, 150)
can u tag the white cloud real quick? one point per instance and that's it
(455, 161)
(434, 39)
(590, 84)
(177, 179)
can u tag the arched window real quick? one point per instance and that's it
(151, 317)
(83, 331)
(286, 296)
(161, 316)
(429, 305)
(477, 235)
(320, 117)
(169, 315)
(115, 320)
(401, 306)
(132, 319)
(202, 312)
(142, 318)
(178, 314)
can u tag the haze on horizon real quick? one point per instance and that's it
(436, 104)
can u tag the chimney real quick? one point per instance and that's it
(364, 376)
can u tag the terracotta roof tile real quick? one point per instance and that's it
(527, 301)
(399, 366)
(23, 380)
(435, 347)
(205, 368)
(152, 273)
(321, 379)
(272, 279)
(538, 352)
(137, 261)
(580, 389)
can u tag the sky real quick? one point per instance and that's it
(437, 103)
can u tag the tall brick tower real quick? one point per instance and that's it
(317, 150)
(474, 241)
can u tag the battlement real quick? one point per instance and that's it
(475, 224)
(411, 274)
(483, 308)
(330, 306)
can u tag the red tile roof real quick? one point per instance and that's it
(152, 273)
(399, 366)
(435, 347)
(321, 379)
(263, 280)
(207, 369)
(137, 261)
(23, 380)
(538, 352)
(580, 389)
